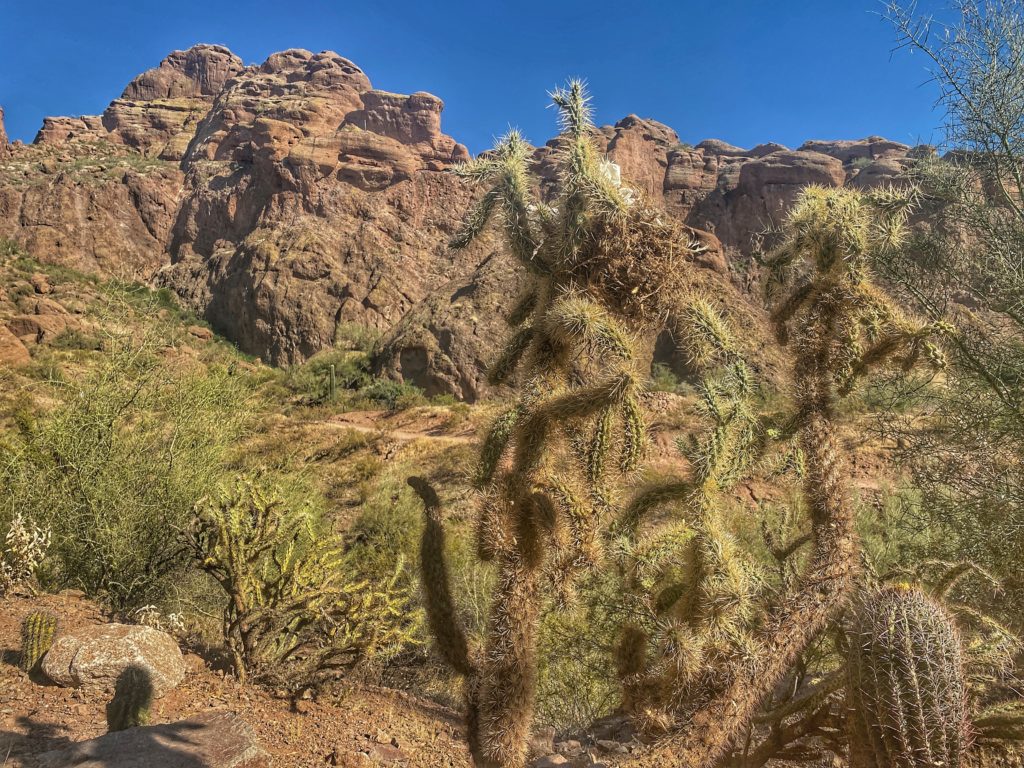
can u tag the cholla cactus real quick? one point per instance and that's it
(133, 698)
(840, 326)
(25, 547)
(604, 272)
(37, 632)
(696, 587)
(293, 613)
(907, 687)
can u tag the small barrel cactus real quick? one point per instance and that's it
(908, 699)
(133, 697)
(37, 632)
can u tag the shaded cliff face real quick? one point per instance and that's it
(290, 199)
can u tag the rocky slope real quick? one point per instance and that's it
(289, 200)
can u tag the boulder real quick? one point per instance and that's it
(12, 351)
(202, 70)
(871, 148)
(37, 329)
(208, 740)
(94, 657)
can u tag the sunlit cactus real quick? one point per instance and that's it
(37, 632)
(605, 272)
(840, 326)
(907, 687)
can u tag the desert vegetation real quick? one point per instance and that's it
(759, 516)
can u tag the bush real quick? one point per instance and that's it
(294, 613)
(393, 395)
(116, 466)
(311, 379)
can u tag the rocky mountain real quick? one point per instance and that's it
(291, 201)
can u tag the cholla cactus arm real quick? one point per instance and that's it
(504, 367)
(476, 221)
(509, 194)
(494, 445)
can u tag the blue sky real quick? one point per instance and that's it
(745, 71)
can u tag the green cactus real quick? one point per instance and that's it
(133, 698)
(37, 633)
(605, 273)
(907, 687)
(840, 326)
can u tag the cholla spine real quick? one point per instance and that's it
(38, 630)
(907, 687)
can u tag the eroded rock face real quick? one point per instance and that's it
(4, 144)
(313, 201)
(288, 199)
(94, 657)
(207, 740)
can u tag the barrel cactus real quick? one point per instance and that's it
(133, 698)
(37, 632)
(907, 689)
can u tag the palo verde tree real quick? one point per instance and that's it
(840, 326)
(605, 271)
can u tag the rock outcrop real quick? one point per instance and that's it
(4, 144)
(289, 199)
(95, 656)
(208, 740)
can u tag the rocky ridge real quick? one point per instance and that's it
(290, 200)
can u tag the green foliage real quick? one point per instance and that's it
(293, 612)
(392, 395)
(133, 699)
(37, 632)
(116, 464)
(907, 686)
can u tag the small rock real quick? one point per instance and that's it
(569, 747)
(542, 742)
(550, 761)
(201, 333)
(40, 283)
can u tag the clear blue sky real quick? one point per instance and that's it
(745, 71)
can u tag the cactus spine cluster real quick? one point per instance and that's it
(840, 325)
(133, 698)
(37, 633)
(907, 688)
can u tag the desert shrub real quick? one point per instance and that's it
(311, 379)
(24, 549)
(295, 612)
(355, 336)
(393, 395)
(663, 379)
(114, 467)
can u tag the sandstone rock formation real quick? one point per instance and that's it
(4, 144)
(208, 740)
(94, 657)
(289, 199)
